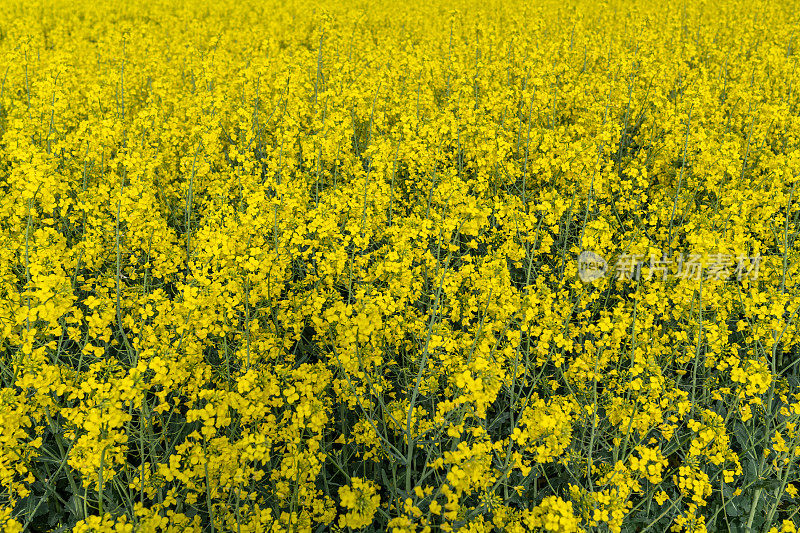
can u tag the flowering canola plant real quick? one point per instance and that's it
(304, 266)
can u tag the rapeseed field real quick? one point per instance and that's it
(413, 266)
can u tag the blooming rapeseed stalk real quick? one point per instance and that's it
(271, 266)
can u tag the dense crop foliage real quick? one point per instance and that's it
(313, 266)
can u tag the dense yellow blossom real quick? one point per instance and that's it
(312, 265)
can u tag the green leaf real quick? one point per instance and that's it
(734, 508)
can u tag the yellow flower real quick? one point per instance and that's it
(361, 500)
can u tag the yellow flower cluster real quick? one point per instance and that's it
(361, 501)
(291, 267)
(553, 514)
(650, 464)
